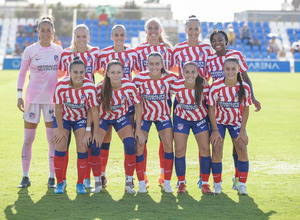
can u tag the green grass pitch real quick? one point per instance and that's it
(273, 181)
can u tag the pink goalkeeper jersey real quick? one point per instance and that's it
(154, 94)
(215, 64)
(183, 53)
(75, 102)
(225, 98)
(42, 63)
(119, 103)
(145, 49)
(128, 57)
(186, 108)
(88, 57)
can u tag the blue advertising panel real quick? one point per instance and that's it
(269, 66)
(11, 63)
(297, 66)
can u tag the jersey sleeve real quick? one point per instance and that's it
(206, 92)
(22, 75)
(92, 99)
(58, 94)
(212, 97)
(247, 101)
(134, 95)
(243, 64)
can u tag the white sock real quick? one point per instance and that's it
(142, 184)
(162, 170)
(103, 174)
(26, 173)
(97, 178)
(129, 178)
(51, 174)
(167, 182)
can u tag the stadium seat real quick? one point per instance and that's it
(297, 55)
(264, 55)
(247, 48)
(255, 48)
(248, 54)
(80, 21)
(239, 47)
(134, 22)
(231, 47)
(119, 21)
(256, 55)
(263, 48)
(141, 25)
(273, 55)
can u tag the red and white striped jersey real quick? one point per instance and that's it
(183, 53)
(186, 108)
(154, 95)
(119, 103)
(145, 49)
(225, 98)
(215, 64)
(75, 102)
(128, 57)
(88, 57)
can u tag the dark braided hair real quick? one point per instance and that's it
(106, 90)
(241, 92)
(198, 83)
(218, 32)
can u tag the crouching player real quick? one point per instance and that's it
(191, 112)
(229, 100)
(72, 97)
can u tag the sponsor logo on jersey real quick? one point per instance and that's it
(180, 126)
(188, 107)
(31, 115)
(200, 64)
(56, 58)
(154, 97)
(217, 74)
(74, 106)
(229, 104)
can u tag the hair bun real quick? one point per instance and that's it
(192, 16)
(76, 58)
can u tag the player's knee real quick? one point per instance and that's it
(129, 145)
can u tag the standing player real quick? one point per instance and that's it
(89, 55)
(114, 93)
(154, 86)
(192, 50)
(73, 96)
(229, 100)
(190, 113)
(215, 67)
(156, 41)
(129, 58)
(42, 58)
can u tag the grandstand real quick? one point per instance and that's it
(286, 34)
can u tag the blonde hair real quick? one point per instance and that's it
(162, 37)
(49, 20)
(86, 29)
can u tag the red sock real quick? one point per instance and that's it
(129, 164)
(217, 177)
(161, 155)
(81, 169)
(59, 168)
(168, 165)
(145, 156)
(96, 164)
(140, 170)
(204, 177)
(243, 177)
(181, 178)
(89, 167)
(236, 174)
(104, 159)
(66, 165)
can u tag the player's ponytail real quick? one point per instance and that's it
(76, 61)
(241, 93)
(106, 90)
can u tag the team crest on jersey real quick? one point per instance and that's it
(201, 54)
(56, 58)
(89, 60)
(83, 97)
(31, 115)
(126, 61)
(162, 52)
(123, 98)
(162, 87)
(180, 126)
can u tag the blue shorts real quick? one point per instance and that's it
(131, 110)
(169, 103)
(183, 126)
(68, 124)
(118, 123)
(160, 125)
(233, 130)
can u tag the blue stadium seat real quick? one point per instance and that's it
(257, 24)
(255, 48)
(247, 48)
(142, 24)
(219, 26)
(80, 21)
(267, 30)
(241, 24)
(35, 39)
(119, 21)
(248, 54)
(211, 25)
(256, 55)
(250, 24)
(245, 41)
(297, 55)
(238, 41)
(95, 22)
(126, 22)
(204, 33)
(235, 24)
(231, 47)
(265, 24)
(263, 48)
(264, 55)
(273, 55)
(297, 31)
(290, 31)
(134, 22)
(239, 47)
